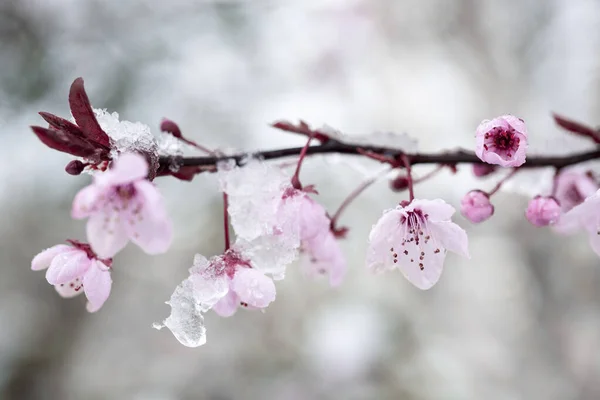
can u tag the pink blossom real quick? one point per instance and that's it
(573, 186)
(415, 239)
(76, 267)
(543, 211)
(480, 170)
(476, 207)
(502, 141)
(585, 216)
(324, 257)
(123, 205)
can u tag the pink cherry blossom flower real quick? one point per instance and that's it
(572, 187)
(324, 257)
(415, 239)
(476, 207)
(502, 141)
(75, 267)
(122, 205)
(585, 216)
(222, 283)
(542, 211)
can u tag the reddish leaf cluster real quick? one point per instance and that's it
(84, 139)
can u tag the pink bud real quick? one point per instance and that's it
(476, 207)
(480, 170)
(543, 211)
(502, 141)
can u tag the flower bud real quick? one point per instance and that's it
(399, 183)
(543, 211)
(476, 207)
(75, 167)
(502, 141)
(480, 170)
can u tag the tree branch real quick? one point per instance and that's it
(333, 146)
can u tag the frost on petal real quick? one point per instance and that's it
(254, 196)
(253, 287)
(96, 285)
(70, 289)
(151, 227)
(44, 258)
(228, 305)
(186, 321)
(67, 266)
(270, 254)
(106, 233)
(209, 282)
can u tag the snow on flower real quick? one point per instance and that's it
(572, 187)
(415, 239)
(71, 268)
(476, 207)
(585, 216)
(222, 283)
(262, 203)
(542, 211)
(502, 141)
(123, 205)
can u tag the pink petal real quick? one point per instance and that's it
(96, 285)
(228, 305)
(436, 210)
(67, 266)
(85, 201)
(129, 167)
(70, 289)
(151, 229)
(325, 257)
(43, 259)
(451, 236)
(427, 277)
(313, 218)
(253, 287)
(517, 124)
(106, 233)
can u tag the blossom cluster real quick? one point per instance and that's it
(271, 220)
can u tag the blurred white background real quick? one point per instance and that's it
(520, 320)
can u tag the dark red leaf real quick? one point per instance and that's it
(84, 115)
(577, 128)
(65, 142)
(61, 124)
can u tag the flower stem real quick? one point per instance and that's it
(226, 222)
(502, 181)
(296, 178)
(355, 193)
(406, 162)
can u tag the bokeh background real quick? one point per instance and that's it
(519, 320)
